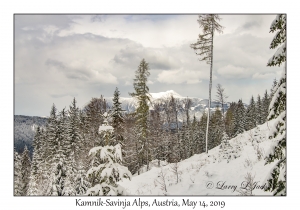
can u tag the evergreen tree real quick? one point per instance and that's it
(230, 120)
(259, 113)
(251, 115)
(59, 176)
(202, 128)
(218, 124)
(106, 168)
(279, 40)
(156, 128)
(204, 48)
(35, 164)
(273, 88)
(182, 141)
(277, 178)
(82, 184)
(52, 137)
(74, 137)
(117, 118)
(25, 171)
(17, 174)
(265, 106)
(239, 118)
(142, 95)
(73, 147)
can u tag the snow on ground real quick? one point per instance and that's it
(211, 174)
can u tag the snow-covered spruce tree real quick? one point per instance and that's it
(219, 128)
(204, 48)
(143, 97)
(273, 88)
(58, 175)
(194, 141)
(106, 168)
(57, 185)
(74, 135)
(25, 171)
(259, 111)
(130, 158)
(202, 128)
(279, 40)
(156, 128)
(230, 120)
(82, 184)
(35, 164)
(265, 106)
(73, 149)
(17, 174)
(251, 115)
(51, 136)
(117, 118)
(182, 141)
(239, 118)
(276, 181)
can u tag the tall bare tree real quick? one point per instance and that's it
(204, 48)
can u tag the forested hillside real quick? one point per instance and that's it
(24, 130)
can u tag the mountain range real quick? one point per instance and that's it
(197, 107)
(24, 126)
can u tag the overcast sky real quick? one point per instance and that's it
(58, 57)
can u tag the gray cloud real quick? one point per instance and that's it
(55, 63)
(59, 57)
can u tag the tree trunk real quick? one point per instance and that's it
(210, 84)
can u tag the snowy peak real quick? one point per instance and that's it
(198, 105)
(167, 94)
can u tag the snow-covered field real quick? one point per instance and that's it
(215, 173)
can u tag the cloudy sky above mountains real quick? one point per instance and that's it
(58, 57)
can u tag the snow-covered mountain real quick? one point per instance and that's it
(24, 130)
(197, 107)
(215, 173)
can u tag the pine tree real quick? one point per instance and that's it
(59, 176)
(251, 115)
(73, 146)
(17, 174)
(117, 118)
(265, 106)
(239, 117)
(273, 88)
(106, 168)
(52, 137)
(279, 40)
(277, 178)
(82, 184)
(35, 164)
(142, 95)
(74, 137)
(217, 121)
(230, 120)
(182, 141)
(25, 171)
(259, 113)
(204, 44)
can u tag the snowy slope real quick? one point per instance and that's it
(211, 174)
